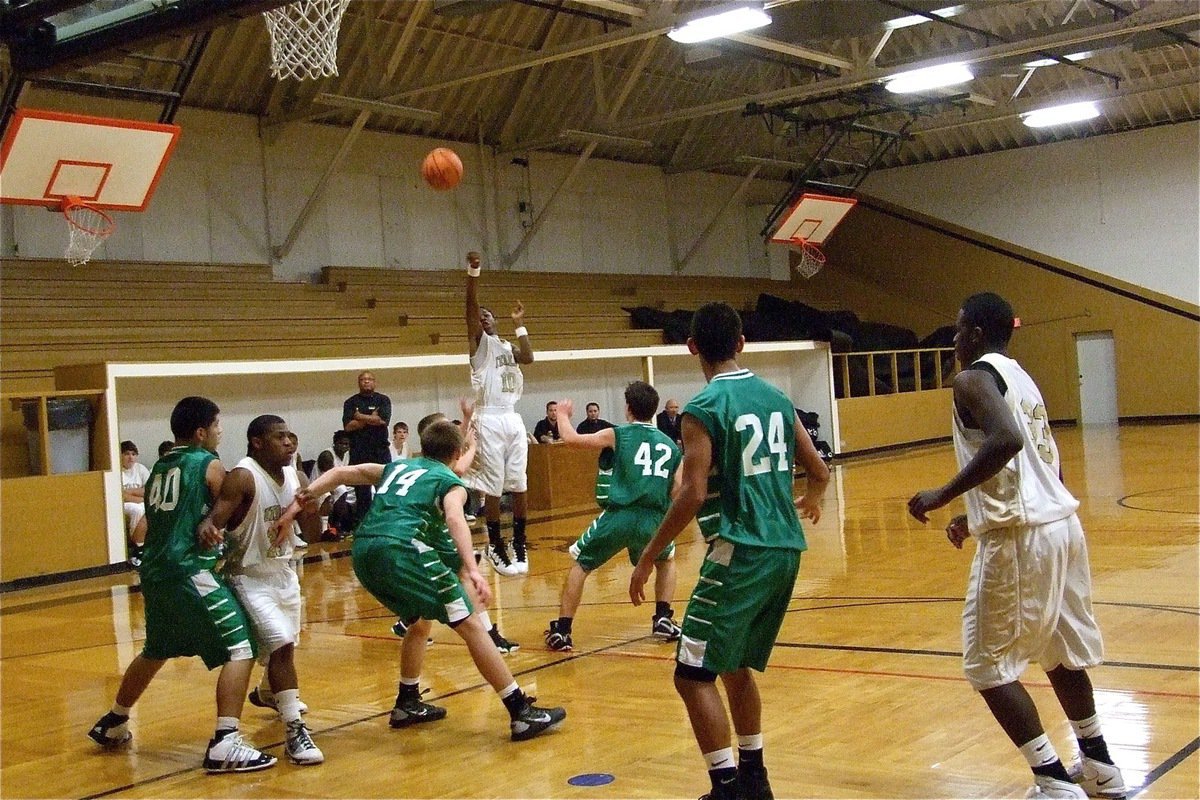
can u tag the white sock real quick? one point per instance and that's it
(227, 724)
(753, 742)
(288, 703)
(1086, 728)
(720, 759)
(508, 690)
(120, 710)
(410, 681)
(1039, 752)
(485, 619)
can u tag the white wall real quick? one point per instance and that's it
(229, 195)
(1125, 205)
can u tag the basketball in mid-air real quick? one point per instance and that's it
(442, 169)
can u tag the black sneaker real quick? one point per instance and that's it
(533, 720)
(413, 712)
(502, 644)
(726, 791)
(400, 628)
(666, 629)
(752, 784)
(110, 731)
(557, 640)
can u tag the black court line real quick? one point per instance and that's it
(1121, 501)
(1162, 769)
(368, 718)
(912, 651)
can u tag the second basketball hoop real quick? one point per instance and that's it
(806, 226)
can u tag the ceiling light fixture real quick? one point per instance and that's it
(920, 80)
(723, 22)
(1061, 115)
(917, 19)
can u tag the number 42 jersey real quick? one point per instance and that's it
(752, 427)
(640, 471)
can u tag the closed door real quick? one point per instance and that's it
(1097, 361)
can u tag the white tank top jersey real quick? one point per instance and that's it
(1027, 491)
(495, 375)
(250, 544)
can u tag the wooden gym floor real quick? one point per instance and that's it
(864, 696)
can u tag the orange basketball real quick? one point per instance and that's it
(442, 169)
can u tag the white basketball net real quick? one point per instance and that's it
(811, 258)
(304, 38)
(87, 228)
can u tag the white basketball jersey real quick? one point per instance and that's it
(250, 542)
(1027, 491)
(495, 375)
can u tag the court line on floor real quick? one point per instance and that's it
(1177, 758)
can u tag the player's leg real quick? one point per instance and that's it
(487, 476)
(409, 710)
(112, 730)
(663, 624)
(745, 706)
(710, 725)
(516, 462)
(1010, 588)
(558, 634)
(525, 719)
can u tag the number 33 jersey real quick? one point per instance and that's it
(1027, 491)
(639, 471)
(752, 425)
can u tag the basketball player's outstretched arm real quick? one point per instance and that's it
(572, 438)
(815, 472)
(474, 326)
(524, 350)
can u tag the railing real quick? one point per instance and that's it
(870, 373)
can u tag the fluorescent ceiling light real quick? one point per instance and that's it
(920, 80)
(917, 19)
(720, 23)
(1060, 115)
(1050, 62)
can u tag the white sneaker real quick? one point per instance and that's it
(299, 745)
(521, 558)
(1048, 788)
(1097, 778)
(501, 561)
(233, 753)
(297, 542)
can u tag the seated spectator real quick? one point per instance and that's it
(307, 527)
(400, 447)
(546, 431)
(668, 422)
(337, 507)
(133, 493)
(593, 423)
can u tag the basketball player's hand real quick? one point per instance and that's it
(957, 531)
(209, 534)
(809, 508)
(637, 581)
(518, 314)
(467, 406)
(566, 408)
(482, 590)
(921, 503)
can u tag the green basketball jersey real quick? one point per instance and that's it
(752, 427)
(177, 499)
(408, 503)
(641, 468)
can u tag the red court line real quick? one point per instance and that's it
(888, 674)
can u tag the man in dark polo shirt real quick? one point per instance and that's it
(593, 423)
(365, 416)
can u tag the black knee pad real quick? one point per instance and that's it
(698, 674)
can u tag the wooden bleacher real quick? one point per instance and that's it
(56, 314)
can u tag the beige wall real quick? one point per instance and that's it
(52, 523)
(906, 272)
(892, 419)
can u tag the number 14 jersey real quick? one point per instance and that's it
(752, 427)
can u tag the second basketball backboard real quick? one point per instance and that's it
(811, 219)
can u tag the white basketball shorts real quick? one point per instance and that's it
(134, 513)
(503, 454)
(271, 598)
(1029, 599)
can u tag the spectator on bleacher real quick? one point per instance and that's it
(336, 507)
(546, 431)
(593, 423)
(400, 448)
(365, 416)
(133, 493)
(669, 422)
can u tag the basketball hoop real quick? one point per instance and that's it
(304, 38)
(811, 257)
(87, 227)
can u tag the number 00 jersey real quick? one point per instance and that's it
(177, 499)
(408, 504)
(640, 469)
(1027, 491)
(752, 427)
(495, 375)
